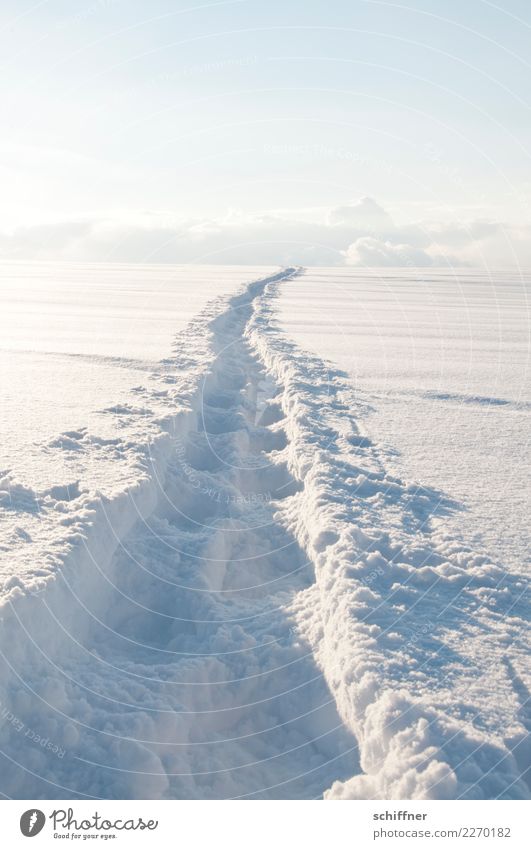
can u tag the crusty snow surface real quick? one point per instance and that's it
(443, 359)
(265, 611)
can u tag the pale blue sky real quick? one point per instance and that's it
(169, 111)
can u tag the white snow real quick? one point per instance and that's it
(443, 360)
(75, 339)
(88, 382)
(259, 608)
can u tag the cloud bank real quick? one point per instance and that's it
(361, 234)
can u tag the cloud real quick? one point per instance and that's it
(458, 235)
(360, 234)
(46, 241)
(366, 215)
(375, 253)
(235, 240)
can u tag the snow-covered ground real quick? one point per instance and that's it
(87, 379)
(443, 360)
(75, 339)
(256, 606)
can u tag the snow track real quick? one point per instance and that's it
(268, 614)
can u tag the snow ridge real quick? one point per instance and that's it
(163, 659)
(411, 629)
(267, 612)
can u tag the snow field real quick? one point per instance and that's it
(268, 612)
(415, 632)
(169, 663)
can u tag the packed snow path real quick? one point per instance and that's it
(282, 620)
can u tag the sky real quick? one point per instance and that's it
(320, 132)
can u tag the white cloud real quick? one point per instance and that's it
(365, 214)
(361, 234)
(367, 251)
